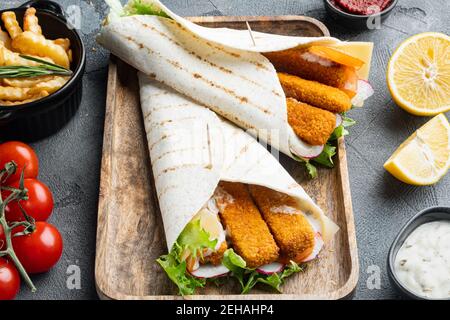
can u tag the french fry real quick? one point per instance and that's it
(49, 86)
(15, 94)
(11, 24)
(25, 82)
(70, 55)
(11, 58)
(33, 44)
(63, 42)
(38, 96)
(5, 39)
(31, 22)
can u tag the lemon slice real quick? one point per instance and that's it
(424, 157)
(418, 74)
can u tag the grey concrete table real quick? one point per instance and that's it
(70, 160)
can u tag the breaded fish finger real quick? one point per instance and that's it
(314, 93)
(249, 234)
(308, 66)
(311, 124)
(290, 228)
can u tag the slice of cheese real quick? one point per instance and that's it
(360, 50)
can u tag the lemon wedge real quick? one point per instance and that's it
(418, 74)
(424, 157)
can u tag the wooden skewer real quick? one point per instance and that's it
(250, 32)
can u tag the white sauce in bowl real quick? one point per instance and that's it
(422, 264)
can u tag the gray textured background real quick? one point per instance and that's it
(70, 160)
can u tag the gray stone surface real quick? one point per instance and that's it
(70, 160)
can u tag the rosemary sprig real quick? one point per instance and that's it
(45, 68)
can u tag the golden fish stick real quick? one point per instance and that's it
(302, 63)
(49, 86)
(314, 93)
(14, 94)
(38, 96)
(249, 234)
(11, 24)
(33, 44)
(31, 22)
(311, 124)
(25, 82)
(291, 229)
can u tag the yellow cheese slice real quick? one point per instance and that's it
(360, 50)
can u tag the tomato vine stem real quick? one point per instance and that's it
(15, 195)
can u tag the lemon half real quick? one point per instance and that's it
(424, 157)
(418, 74)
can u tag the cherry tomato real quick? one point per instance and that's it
(23, 156)
(9, 280)
(39, 204)
(2, 239)
(40, 250)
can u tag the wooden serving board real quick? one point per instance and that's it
(130, 234)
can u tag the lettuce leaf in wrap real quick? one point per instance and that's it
(249, 277)
(326, 157)
(194, 239)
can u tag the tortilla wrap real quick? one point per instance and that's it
(220, 68)
(192, 149)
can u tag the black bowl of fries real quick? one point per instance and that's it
(42, 61)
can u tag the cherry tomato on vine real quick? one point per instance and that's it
(40, 250)
(23, 155)
(39, 204)
(9, 280)
(2, 239)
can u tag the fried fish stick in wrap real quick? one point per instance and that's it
(291, 229)
(311, 124)
(215, 258)
(307, 65)
(314, 93)
(249, 234)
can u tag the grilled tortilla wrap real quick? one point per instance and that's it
(192, 150)
(220, 68)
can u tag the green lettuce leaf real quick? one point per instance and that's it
(194, 239)
(329, 150)
(326, 157)
(234, 262)
(143, 7)
(341, 130)
(176, 271)
(249, 277)
(312, 170)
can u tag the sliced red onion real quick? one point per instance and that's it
(318, 244)
(210, 271)
(270, 268)
(364, 91)
(338, 120)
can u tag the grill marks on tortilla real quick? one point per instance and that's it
(223, 49)
(164, 154)
(166, 121)
(163, 107)
(179, 66)
(178, 167)
(165, 190)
